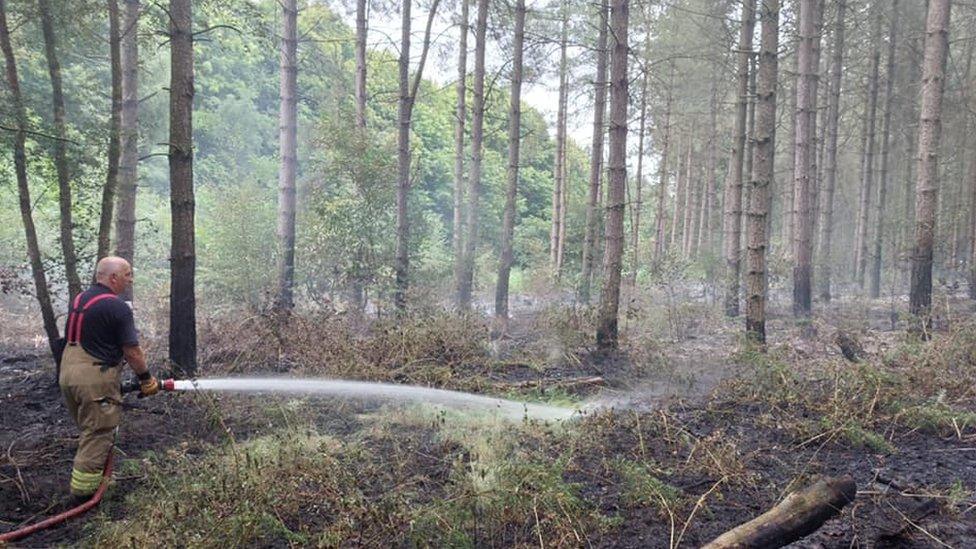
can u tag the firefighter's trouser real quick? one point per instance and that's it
(93, 397)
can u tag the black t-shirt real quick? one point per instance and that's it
(107, 326)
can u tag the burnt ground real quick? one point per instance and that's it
(916, 493)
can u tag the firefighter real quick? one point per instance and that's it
(101, 333)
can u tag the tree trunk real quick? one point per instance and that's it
(125, 212)
(757, 237)
(929, 137)
(750, 141)
(514, 127)
(662, 190)
(408, 93)
(558, 164)
(680, 191)
(805, 116)
(461, 87)
(639, 177)
(112, 171)
(733, 185)
(814, 169)
(789, 216)
(288, 146)
(705, 236)
(357, 282)
(867, 179)
(361, 64)
(60, 151)
(477, 137)
(689, 206)
(596, 155)
(606, 332)
(23, 189)
(875, 285)
(830, 156)
(182, 299)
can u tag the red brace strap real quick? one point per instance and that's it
(78, 314)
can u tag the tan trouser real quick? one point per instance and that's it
(94, 400)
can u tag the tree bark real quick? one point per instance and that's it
(757, 237)
(733, 185)
(408, 93)
(60, 150)
(125, 212)
(830, 156)
(596, 155)
(929, 137)
(689, 207)
(558, 164)
(361, 64)
(799, 514)
(182, 299)
(288, 147)
(606, 333)
(705, 236)
(477, 138)
(805, 116)
(461, 88)
(639, 176)
(41, 291)
(867, 177)
(875, 284)
(680, 192)
(114, 137)
(511, 194)
(357, 282)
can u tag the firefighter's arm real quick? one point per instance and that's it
(137, 361)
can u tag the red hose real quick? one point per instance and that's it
(47, 523)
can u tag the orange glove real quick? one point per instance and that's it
(148, 387)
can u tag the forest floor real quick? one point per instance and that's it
(687, 434)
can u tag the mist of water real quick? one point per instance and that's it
(381, 391)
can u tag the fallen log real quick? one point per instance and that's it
(567, 384)
(799, 514)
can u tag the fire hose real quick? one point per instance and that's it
(166, 385)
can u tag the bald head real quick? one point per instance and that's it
(114, 272)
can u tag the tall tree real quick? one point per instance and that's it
(638, 205)
(408, 94)
(114, 137)
(596, 153)
(869, 140)
(875, 283)
(23, 189)
(60, 150)
(803, 159)
(555, 244)
(511, 193)
(125, 212)
(680, 191)
(477, 140)
(830, 155)
(929, 138)
(357, 296)
(606, 332)
(461, 87)
(183, 261)
(660, 244)
(288, 147)
(361, 31)
(733, 185)
(756, 236)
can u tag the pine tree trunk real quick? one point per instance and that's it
(23, 189)
(361, 64)
(514, 127)
(867, 179)
(477, 137)
(929, 137)
(750, 141)
(733, 185)
(182, 300)
(689, 205)
(662, 190)
(757, 237)
(875, 284)
(910, 121)
(805, 117)
(789, 215)
(830, 155)
(461, 87)
(288, 149)
(357, 280)
(125, 211)
(112, 171)
(596, 155)
(60, 150)
(639, 177)
(815, 139)
(408, 93)
(705, 236)
(677, 214)
(606, 333)
(558, 164)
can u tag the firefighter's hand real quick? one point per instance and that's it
(148, 386)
